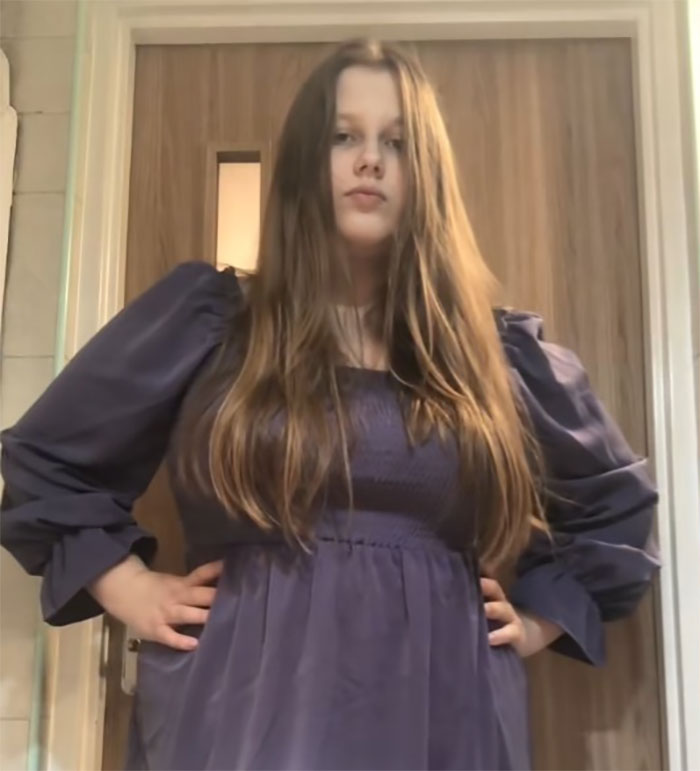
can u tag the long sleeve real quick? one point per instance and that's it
(600, 500)
(76, 461)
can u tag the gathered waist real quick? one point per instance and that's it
(379, 528)
(359, 528)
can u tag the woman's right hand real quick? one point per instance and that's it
(152, 603)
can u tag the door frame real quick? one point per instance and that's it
(95, 257)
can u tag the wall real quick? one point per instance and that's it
(38, 37)
(692, 30)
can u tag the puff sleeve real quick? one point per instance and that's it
(600, 499)
(76, 461)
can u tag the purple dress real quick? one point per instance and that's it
(370, 652)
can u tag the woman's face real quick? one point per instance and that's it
(367, 166)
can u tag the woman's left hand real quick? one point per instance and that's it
(498, 608)
(527, 634)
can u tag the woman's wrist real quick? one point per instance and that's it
(108, 584)
(540, 633)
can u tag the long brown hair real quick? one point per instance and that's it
(437, 325)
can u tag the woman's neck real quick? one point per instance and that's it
(367, 276)
(359, 339)
(358, 325)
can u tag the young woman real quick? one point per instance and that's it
(357, 442)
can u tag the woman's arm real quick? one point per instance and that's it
(600, 556)
(76, 461)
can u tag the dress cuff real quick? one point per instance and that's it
(551, 592)
(78, 559)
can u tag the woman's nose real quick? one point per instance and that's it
(370, 159)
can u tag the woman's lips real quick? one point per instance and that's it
(366, 201)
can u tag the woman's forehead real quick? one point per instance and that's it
(363, 91)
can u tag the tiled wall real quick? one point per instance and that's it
(38, 38)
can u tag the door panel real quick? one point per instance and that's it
(544, 137)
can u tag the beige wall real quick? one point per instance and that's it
(693, 42)
(38, 37)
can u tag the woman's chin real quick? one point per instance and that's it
(363, 244)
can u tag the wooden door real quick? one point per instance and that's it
(544, 136)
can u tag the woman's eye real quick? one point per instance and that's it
(345, 137)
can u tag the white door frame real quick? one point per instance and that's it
(96, 245)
